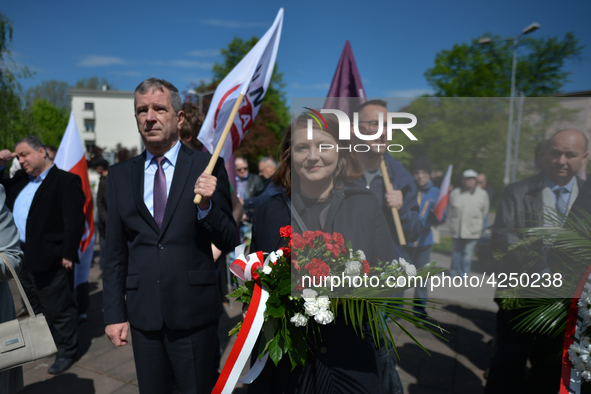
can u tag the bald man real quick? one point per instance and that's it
(529, 203)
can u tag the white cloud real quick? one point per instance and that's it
(204, 52)
(407, 92)
(233, 24)
(100, 61)
(191, 64)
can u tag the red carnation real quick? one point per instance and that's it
(285, 232)
(318, 269)
(309, 238)
(335, 251)
(327, 237)
(366, 267)
(296, 265)
(297, 241)
(286, 251)
(338, 238)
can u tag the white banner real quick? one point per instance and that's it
(250, 77)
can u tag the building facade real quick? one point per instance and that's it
(105, 118)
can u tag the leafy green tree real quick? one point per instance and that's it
(471, 132)
(93, 83)
(49, 121)
(13, 121)
(273, 117)
(56, 92)
(476, 70)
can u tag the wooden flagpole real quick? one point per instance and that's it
(220, 145)
(395, 214)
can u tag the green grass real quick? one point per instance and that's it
(444, 245)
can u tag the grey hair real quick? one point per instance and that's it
(270, 160)
(155, 83)
(33, 142)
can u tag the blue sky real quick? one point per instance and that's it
(394, 42)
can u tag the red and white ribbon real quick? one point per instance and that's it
(570, 381)
(245, 269)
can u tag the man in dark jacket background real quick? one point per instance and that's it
(530, 203)
(48, 208)
(404, 194)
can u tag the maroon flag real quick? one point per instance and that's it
(346, 83)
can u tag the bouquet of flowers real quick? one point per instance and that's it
(580, 354)
(299, 279)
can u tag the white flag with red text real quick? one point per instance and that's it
(70, 157)
(443, 197)
(250, 77)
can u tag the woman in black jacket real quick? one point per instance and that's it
(318, 188)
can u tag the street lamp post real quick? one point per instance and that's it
(486, 40)
(200, 95)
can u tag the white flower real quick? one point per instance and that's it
(577, 355)
(324, 316)
(267, 269)
(309, 294)
(279, 253)
(361, 254)
(586, 375)
(311, 307)
(402, 262)
(323, 302)
(353, 268)
(410, 270)
(273, 257)
(299, 320)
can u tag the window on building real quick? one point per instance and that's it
(89, 145)
(89, 106)
(89, 125)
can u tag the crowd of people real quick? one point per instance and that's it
(161, 255)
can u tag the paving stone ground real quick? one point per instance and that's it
(455, 362)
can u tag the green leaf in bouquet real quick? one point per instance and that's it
(276, 348)
(285, 286)
(242, 293)
(298, 350)
(545, 316)
(274, 306)
(268, 333)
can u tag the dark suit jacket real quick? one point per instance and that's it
(521, 206)
(101, 205)
(56, 219)
(154, 276)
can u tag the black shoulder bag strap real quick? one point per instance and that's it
(294, 214)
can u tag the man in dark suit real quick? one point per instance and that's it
(48, 208)
(159, 272)
(533, 202)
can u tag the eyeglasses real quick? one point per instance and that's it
(372, 126)
(242, 169)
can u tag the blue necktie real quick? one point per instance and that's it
(159, 191)
(560, 204)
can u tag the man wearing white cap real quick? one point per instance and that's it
(468, 206)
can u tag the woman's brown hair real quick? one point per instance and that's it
(348, 168)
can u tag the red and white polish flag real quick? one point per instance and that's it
(250, 77)
(443, 197)
(70, 157)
